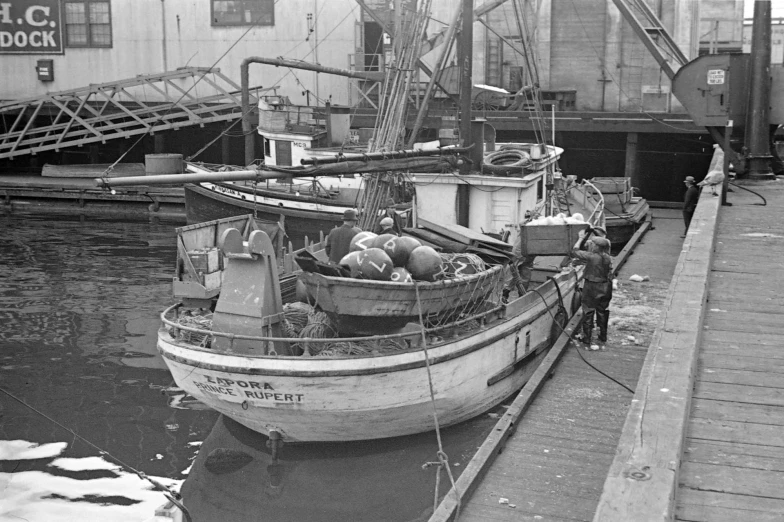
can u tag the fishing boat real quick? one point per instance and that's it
(290, 134)
(243, 355)
(243, 365)
(625, 212)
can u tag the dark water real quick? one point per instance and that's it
(79, 311)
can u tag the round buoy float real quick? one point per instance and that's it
(424, 263)
(375, 264)
(389, 244)
(404, 245)
(352, 262)
(362, 241)
(401, 275)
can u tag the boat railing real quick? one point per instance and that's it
(483, 317)
(595, 198)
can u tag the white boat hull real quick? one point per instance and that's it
(359, 398)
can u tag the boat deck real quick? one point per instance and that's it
(554, 464)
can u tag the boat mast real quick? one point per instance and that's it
(466, 81)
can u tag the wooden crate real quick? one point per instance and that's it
(614, 185)
(205, 260)
(550, 240)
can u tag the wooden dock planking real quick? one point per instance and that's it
(751, 456)
(643, 477)
(718, 411)
(733, 465)
(719, 507)
(554, 465)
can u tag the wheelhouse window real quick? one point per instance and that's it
(88, 23)
(243, 12)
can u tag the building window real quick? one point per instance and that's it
(88, 23)
(243, 12)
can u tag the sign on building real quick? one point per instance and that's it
(716, 76)
(30, 27)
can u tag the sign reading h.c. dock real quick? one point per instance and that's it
(30, 27)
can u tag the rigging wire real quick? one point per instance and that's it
(184, 94)
(173, 496)
(612, 78)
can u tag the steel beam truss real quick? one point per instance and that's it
(135, 106)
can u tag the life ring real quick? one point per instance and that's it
(506, 162)
(507, 158)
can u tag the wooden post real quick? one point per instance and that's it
(631, 171)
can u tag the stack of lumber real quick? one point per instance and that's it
(456, 238)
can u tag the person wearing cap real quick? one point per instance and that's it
(387, 226)
(597, 285)
(339, 238)
(389, 212)
(689, 201)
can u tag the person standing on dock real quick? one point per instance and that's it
(689, 202)
(339, 238)
(597, 287)
(397, 223)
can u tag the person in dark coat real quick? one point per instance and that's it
(339, 238)
(597, 287)
(689, 202)
(388, 226)
(389, 212)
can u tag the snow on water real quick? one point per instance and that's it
(37, 496)
(24, 450)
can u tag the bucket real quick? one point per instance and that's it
(536, 151)
(163, 164)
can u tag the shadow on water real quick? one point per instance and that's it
(80, 304)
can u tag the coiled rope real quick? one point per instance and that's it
(443, 459)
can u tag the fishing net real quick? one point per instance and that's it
(374, 347)
(202, 322)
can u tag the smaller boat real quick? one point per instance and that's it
(361, 306)
(624, 212)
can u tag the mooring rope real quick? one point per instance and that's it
(173, 496)
(443, 459)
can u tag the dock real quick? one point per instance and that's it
(588, 449)
(81, 196)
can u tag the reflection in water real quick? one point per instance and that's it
(234, 477)
(80, 303)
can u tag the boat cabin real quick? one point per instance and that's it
(292, 133)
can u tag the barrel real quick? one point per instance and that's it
(163, 164)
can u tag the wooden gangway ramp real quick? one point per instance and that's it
(554, 464)
(704, 439)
